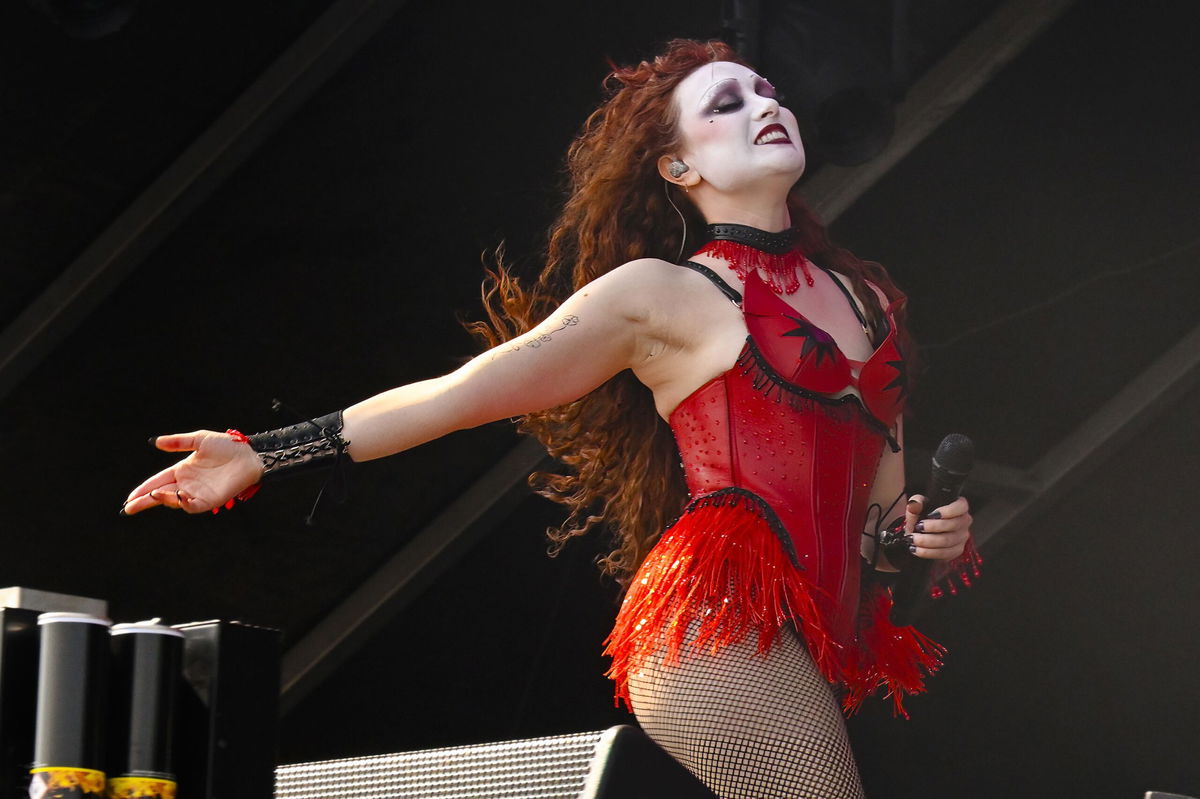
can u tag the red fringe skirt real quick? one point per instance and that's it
(723, 565)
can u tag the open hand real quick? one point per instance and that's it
(218, 469)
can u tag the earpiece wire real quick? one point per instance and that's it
(682, 219)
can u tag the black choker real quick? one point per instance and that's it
(774, 243)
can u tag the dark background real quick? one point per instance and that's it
(1047, 233)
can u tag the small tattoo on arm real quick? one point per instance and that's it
(533, 343)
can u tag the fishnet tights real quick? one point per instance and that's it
(750, 726)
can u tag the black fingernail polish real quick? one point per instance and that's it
(151, 441)
(913, 549)
(934, 515)
(908, 539)
(920, 528)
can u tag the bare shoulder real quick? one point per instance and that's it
(646, 273)
(663, 278)
(641, 288)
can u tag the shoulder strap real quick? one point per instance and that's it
(730, 292)
(849, 297)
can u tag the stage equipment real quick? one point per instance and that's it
(1161, 795)
(73, 673)
(18, 676)
(146, 669)
(228, 710)
(617, 763)
(19, 609)
(18, 596)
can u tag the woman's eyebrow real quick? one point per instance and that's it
(713, 89)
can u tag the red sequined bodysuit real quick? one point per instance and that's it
(779, 462)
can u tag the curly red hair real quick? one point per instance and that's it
(622, 465)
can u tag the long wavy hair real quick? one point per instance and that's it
(622, 466)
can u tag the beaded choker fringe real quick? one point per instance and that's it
(746, 249)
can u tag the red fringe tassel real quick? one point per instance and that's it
(956, 573)
(723, 566)
(896, 659)
(780, 269)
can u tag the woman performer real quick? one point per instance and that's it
(770, 366)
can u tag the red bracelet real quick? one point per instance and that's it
(241, 438)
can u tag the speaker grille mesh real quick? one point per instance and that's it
(537, 768)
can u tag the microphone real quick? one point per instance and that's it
(951, 464)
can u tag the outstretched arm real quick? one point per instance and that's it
(599, 331)
(592, 336)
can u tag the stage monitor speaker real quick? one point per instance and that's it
(228, 710)
(617, 763)
(18, 698)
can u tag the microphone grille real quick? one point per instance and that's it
(956, 453)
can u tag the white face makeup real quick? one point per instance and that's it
(733, 130)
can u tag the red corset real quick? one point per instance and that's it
(780, 469)
(812, 460)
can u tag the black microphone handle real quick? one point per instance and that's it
(951, 464)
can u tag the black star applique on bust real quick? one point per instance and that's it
(815, 340)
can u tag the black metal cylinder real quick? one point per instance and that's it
(146, 670)
(73, 673)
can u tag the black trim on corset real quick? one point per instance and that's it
(731, 497)
(765, 379)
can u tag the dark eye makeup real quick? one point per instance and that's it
(725, 102)
(729, 98)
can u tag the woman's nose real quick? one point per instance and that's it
(767, 107)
